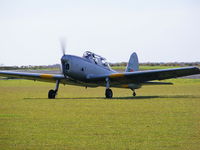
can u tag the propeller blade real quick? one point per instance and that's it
(63, 45)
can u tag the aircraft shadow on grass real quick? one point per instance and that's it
(124, 98)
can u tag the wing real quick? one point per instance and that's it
(141, 77)
(32, 76)
(44, 78)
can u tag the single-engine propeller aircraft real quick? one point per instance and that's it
(92, 70)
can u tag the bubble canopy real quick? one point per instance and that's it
(96, 59)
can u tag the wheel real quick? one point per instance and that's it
(109, 93)
(51, 94)
(134, 94)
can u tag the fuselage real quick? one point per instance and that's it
(80, 68)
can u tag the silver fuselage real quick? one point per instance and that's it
(80, 68)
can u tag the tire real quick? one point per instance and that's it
(51, 94)
(109, 93)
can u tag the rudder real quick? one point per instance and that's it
(133, 64)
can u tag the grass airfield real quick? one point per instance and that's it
(160, 117)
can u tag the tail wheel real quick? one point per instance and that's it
(109, 93)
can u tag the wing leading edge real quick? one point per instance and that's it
(44, 78)
(32, 76)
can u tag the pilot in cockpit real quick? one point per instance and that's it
(88, 55)
(93, 58)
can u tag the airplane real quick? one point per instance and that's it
(92, 70)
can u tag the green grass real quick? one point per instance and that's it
(160, 117)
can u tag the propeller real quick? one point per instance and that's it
(63, 45)
(63, 49)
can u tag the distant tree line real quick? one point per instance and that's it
(30, 67)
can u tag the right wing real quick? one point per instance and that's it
(44, 78)
(32, 76)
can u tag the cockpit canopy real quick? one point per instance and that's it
(96, 59)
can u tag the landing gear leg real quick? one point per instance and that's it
(134, 93)
(108, 93)
(52, 93)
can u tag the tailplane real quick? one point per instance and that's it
(133, 64)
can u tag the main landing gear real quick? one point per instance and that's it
(52, 93)
(134, 93)
(108, 93)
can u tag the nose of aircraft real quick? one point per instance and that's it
(65, 60)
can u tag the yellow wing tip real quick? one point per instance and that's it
(46, 76)
(116, 75)
(125, 86)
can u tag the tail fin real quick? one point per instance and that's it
(133, 64)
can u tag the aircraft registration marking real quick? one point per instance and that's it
(47, 76)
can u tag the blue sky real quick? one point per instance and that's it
(159, 31)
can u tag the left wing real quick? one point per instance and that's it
(141, 77)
